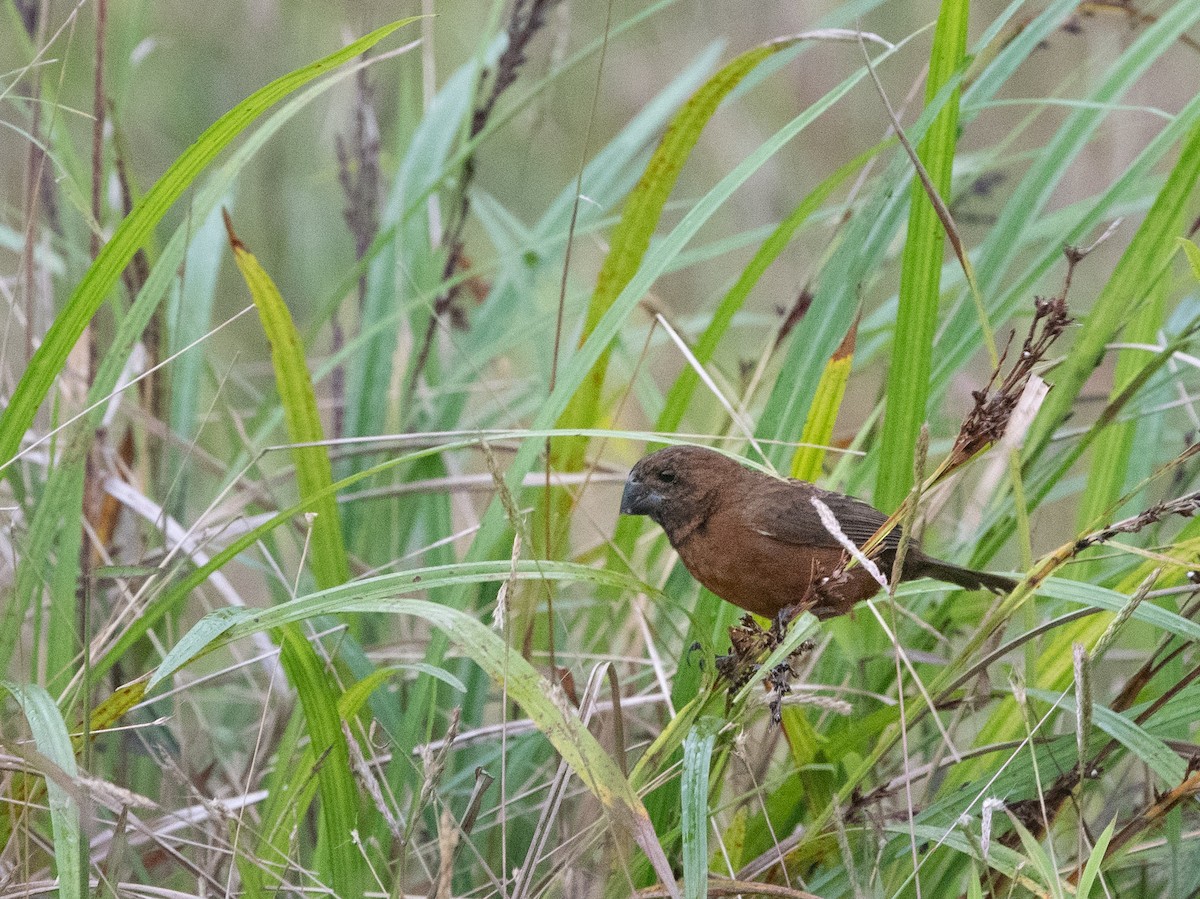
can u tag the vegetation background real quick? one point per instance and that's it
(290, 604)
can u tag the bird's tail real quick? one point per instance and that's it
(967, 578)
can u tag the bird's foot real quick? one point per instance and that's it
(779, 682)
(750, 644)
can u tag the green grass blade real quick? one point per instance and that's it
(188, 317)
(339, 797)
(372, 593)
(1037, 858)
(290, 790)
(697, 755)
(314, 479)
(920, 276)
(1091, 870)
(54, 743)
(66, 547)
(1134, 276)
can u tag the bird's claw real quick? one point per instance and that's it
(749, 643)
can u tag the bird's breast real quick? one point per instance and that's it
(763, 575)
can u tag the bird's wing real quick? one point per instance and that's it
(783, 511)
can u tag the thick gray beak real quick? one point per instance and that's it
(639, 500)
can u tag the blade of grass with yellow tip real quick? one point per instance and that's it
(313, 471)
(823, 413)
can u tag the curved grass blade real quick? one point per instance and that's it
(314, 479)
(153, 612)
(360, 595)
(314, 475)
(542, 701)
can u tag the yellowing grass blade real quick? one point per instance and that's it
(823, 413)
(313, 472)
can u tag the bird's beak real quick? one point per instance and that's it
(639, 499)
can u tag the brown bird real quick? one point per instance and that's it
(757, 541)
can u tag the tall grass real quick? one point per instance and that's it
(313, 581)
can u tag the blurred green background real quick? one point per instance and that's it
(331, 765)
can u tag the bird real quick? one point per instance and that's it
(757, 541)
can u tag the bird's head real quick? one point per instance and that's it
(675, 486)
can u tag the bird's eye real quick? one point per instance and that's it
(667, 476)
